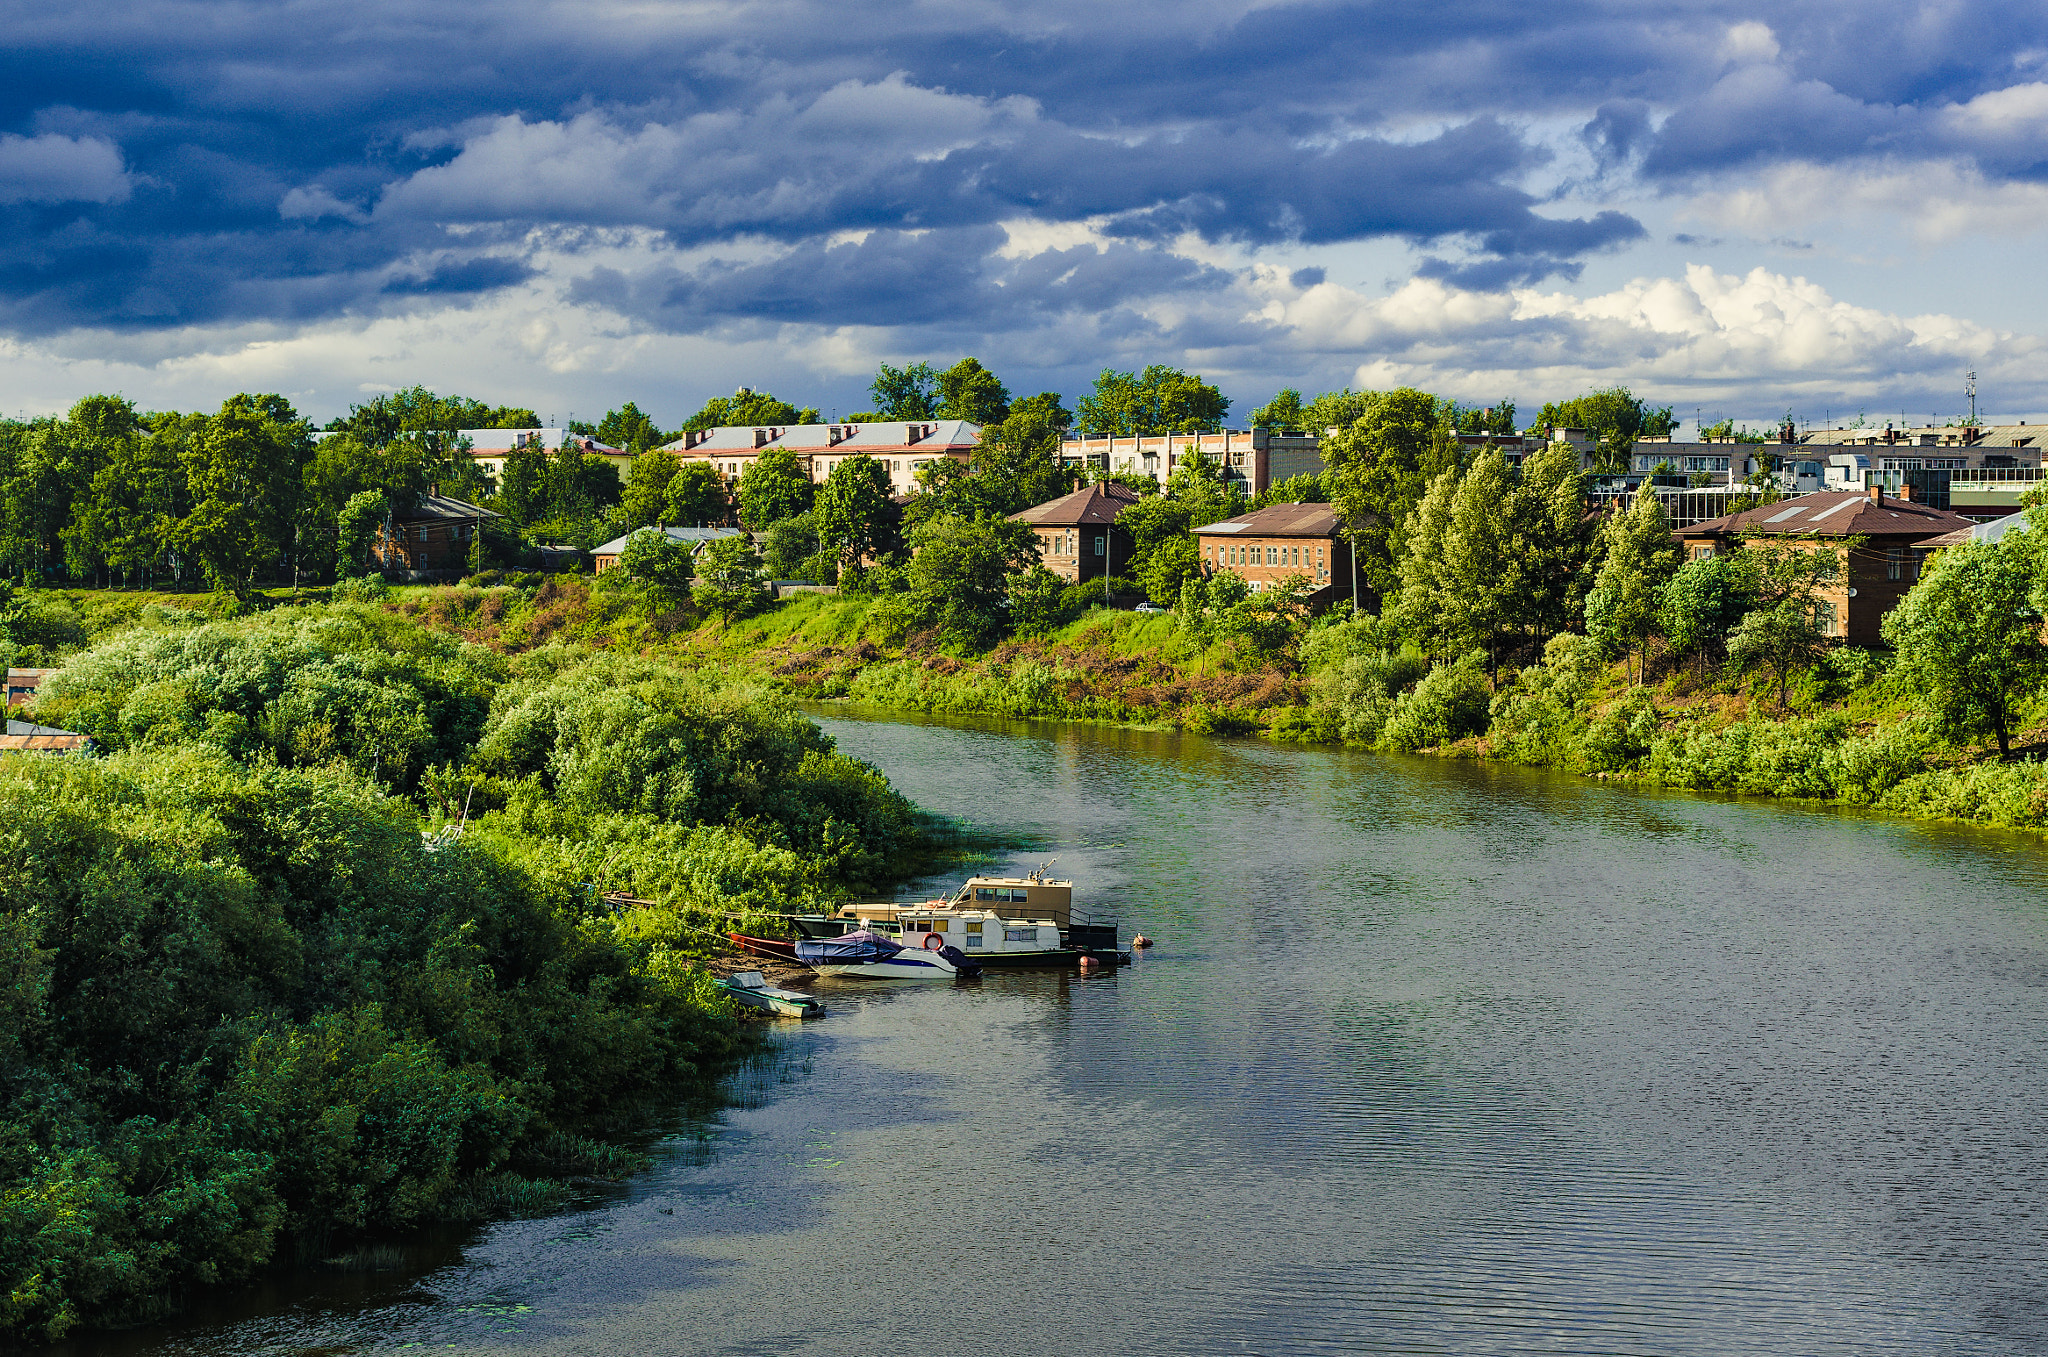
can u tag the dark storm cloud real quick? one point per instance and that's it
(170, 163)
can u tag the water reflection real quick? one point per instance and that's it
(1431, 1056)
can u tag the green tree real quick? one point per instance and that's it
(628, 428)
(775, 487)
(522, 486)
(243, 471)
(1284, 411)
(1494, 419)
(907, 392)
(791, 548)
(1703, 602)
(1168, 567)
(1615, 417)
(1159, 400)
(663, 563)
(855, 517)
(1377, 468)
(960, 578)
(1640, 556)
(1017, 459)
(747, 407)
(1039, 602)
(1427, 585)
(355, 529)
(697, 494)
(729, 577)
(644, 501)
(969, 391)
(1968, 638)
(1784, 630)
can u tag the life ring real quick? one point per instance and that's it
(934, 943)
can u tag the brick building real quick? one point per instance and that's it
(1077, 534)
(1254, 457)
(1282, 542)
(1880, 570)
(430, 540)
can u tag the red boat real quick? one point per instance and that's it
(778, 948)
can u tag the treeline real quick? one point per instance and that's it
(318, 950)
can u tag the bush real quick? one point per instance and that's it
(1621, 736)
(1358, 694)
(1450, 703)
(360, 589)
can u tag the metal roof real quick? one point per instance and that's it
(1834, 513)
(1099, 503)
(892, 436)
(1281, 520)
(699, 535)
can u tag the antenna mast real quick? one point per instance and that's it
(1970, 387)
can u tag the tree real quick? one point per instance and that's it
(521, 486)
(1968, 638)
(969, 391)
(1284, 411)
(1703, 602)
(697, 494)
(906, 392)
(1623, 606)
(1494, 419)
(748, 407)
(243, 471)
(1039, 601)
(645, 499)
(663, 563)
(1554, 543)
(959, 580)
(1168, 567)
(1018, 457)
(1615, 417)
(729, 577)
(854, 512)
(1784, 630)
(629, 429)
(775, 487)
(791, 548)
(1159, 400)
(1419, 608)
(1377, 468)
(355, 528)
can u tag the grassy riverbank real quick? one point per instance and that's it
(1850, 730)
(262, 999)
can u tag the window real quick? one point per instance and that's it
(974, 926)
(974, 939)
(935, 925)
(1894, 563)
(1702, 551)
(1272, 555)
(423, 534)
(1020, 935)
(984, 893)
(1099, 543)
(1826, 617)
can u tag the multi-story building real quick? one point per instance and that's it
(489, 448)
(1257, 457)
(900, 446)
(1282, 542)
(430, 539)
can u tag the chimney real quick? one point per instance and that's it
(1906, 493)
(760, 438)
(1877, 492)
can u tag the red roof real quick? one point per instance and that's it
(1099, 503)
(1279, 520)
(1833, 513)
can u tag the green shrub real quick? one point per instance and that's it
(1621, 736)
(1450, 703)
(2014, 794)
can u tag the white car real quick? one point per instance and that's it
(1150, 608)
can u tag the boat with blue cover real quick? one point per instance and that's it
(863, 955)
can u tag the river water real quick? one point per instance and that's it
(1430, 1057)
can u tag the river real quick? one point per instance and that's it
(1430, 1057)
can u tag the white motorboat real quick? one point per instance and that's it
(869, 956)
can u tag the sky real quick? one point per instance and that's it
(1739, 210)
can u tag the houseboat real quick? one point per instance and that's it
(996, 920)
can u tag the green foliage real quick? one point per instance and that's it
(747, 407)
(969, 391)
(1449, 703)
(1615, 417)
(775, 487)
(1622, 608)
(696, 495)
(1377, 468)
(627, 428)
(910, 392)
(1704, 601)
(1168, 567)
(1968, 637)
(1041, 602)
(960, 580)
(661, 562)
(790, 550)
(855, 516)
(644, 502)
(1783, 632)
(1017, 460)
(356, 526)
(1159, 400)
(1359, 679)
(729, 577)
(1498, 418)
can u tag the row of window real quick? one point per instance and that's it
(1002, 893)
(1068, 543)
(1231, 553)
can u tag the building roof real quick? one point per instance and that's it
(498, 442)
(1280, 520)
(28, 737)
(1990, 436)
(699, 535)
(889, 436)
(436, 508)
(1099, 503)
(1980, 532)
(1834, 513)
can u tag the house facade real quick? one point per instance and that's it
(1077, 534)
(1881, 568)
(1254, 457)
(489, 448)
(431, 540)
(900, 446)
(1284, 541)
(605, 557)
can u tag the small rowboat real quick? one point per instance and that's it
(752, 989)
(779, 948)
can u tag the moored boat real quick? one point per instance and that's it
(865, 955)
(752, 989)
(782, 949)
